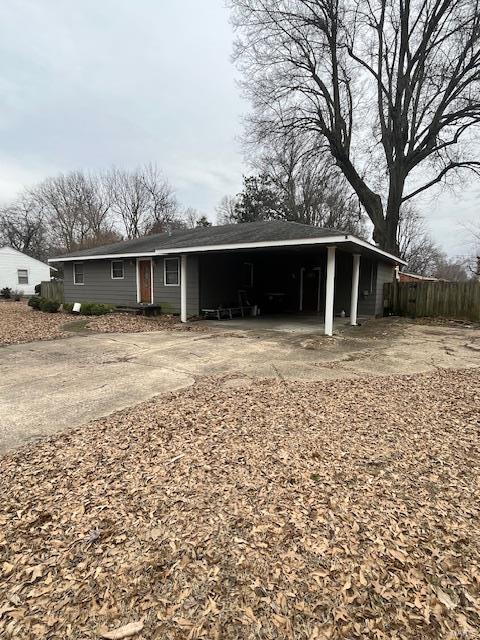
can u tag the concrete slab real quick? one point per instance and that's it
(51, 386)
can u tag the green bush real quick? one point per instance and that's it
(6, 292)
(95, 309)
(34, 302)
(89, 308)
(49, 306)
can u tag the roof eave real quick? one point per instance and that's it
(326, 240)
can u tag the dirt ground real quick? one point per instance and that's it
(54, 385)
(241, 509)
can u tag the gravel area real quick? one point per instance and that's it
(345, 509)
(19, 323)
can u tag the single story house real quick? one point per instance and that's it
(21, 272)
(277, 266)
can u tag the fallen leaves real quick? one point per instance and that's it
(126, 631)
(19, 323)
(345, 509)
(128, 323)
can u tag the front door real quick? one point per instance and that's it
(145, 276)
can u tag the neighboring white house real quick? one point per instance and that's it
(21, 272)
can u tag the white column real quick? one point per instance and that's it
(354, 296)
(183, 288)
(330, 286)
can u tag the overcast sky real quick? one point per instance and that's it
(91, 83)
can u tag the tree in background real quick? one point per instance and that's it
(415, 244)
(80, 210)
(225, 210)
(23, 227)
(306, 187)
(391, 89)
(259, 200)
(193, 218)
(142, 199)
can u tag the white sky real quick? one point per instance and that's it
(99, 82)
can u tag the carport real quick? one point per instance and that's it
(330, 279)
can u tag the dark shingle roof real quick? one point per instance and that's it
(229, 234)
(264, 231)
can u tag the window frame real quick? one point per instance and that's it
(26, 276)
(79, 284)
(122, 277)
(169, 284)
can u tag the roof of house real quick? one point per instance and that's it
(272, 233)
(14, 251)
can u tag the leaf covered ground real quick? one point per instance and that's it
(19, 324)
(345, 509)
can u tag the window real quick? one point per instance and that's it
(247, 274)
(22, 276)
(117, 269)
(78, 273)
(171, 272)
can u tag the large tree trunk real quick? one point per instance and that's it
(370, 200)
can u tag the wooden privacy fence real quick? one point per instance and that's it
(52, 290)
(429, 299)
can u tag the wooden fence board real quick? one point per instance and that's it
(434, 299)
(52, 290)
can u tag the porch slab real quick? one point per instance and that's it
(286, 323)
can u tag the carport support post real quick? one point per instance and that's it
(183, 288)
(330, 286)
(354, 296)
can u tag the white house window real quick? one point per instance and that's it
(247, 274)
(78, 273)
(117, 270)
(171, 272)
(22, 275)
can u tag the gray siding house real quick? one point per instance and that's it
(278, 266)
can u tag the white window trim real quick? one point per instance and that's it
(138, 280)
(18, 276)
(122, 277)
(78, 284)
(165, 272)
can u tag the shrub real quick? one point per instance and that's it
(89, 308)
(38, 289)
(49, 306)
(95, 309)
(6, 292)
(34, 302)
(17, 294)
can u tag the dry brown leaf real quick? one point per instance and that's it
(126, 631)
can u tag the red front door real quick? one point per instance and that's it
(145, 275)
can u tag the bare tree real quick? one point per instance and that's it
(415, 244)
(225, 210)
(390, 88)
(310, 189)
(142, 199)
(76, 208)
(163, 203)
(22, 226)
(64, 200)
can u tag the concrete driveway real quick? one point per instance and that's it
(51, 386)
